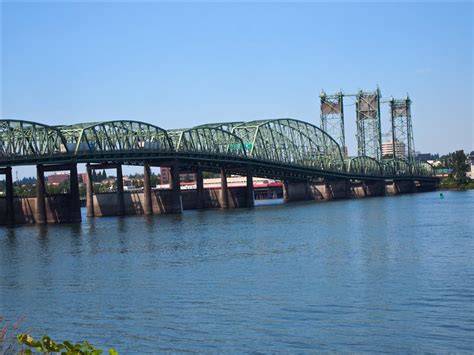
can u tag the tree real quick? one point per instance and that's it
(458, 162)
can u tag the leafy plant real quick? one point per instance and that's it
(47, 345)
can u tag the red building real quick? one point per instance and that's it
(56, 179)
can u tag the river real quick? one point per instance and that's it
(385, 273)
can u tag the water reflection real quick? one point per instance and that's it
(344, 275)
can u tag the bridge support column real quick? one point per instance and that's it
(89, 192)
(75, 200)
(199, 189)
(40, 195)
(374, 188)
(250, 194)
(175, 185)
(147, 204)
(286, 196)
(10, 210)
(224, 190)
(120, 196)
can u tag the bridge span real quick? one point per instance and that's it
(308, 161)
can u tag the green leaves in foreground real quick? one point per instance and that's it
(47, 345)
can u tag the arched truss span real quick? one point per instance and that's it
(24, 139)
(226, 126)
(364, 165)
(421, 168)
(396, 167)
(290, 141)
(205, 139)
(116, 136)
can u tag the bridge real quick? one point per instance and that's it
(307, 159)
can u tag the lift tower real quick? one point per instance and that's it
(369, 134)
(332, 118)
(403, 145)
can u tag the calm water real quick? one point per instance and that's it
(393, 274)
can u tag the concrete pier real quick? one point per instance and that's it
(250, 193)
(224, 190)
(74, 197)
(199, 189)
(9, 195)
(120, 197)
(147, 204)
(175, 185)
(89, 192)
(40, 195)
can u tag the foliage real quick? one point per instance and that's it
(62, 188)
(47, 345)
(458, 162)
(451, 183)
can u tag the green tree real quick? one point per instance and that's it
(458, 162)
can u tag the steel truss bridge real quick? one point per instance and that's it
(281, 148)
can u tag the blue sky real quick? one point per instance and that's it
(182, 64)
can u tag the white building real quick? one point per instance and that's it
(400, 149)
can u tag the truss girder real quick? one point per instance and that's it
(30, 139)
(116, 136)
(281, 145)
(421, 168)
(206, 139)
(364, 165)
(291, 141)
(397, 167)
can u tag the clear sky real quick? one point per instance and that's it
(182, 64)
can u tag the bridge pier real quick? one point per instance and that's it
(74, 196)
(40, 195)
(175, 185)
(374, 188)
(402, 186)
(94, 204)
(250, 193)
(224, 190)
(147, 203)
(200, 203)
(9, 214)
(10, 208)
(425, 186)
(89, 192)
(120, 196)
(57, 208)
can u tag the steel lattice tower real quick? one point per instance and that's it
(403, 144)
(332, 118)
(369, 134)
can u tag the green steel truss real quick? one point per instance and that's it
(209, 140)
(24, 139)
(281, 147)
(332, 117)
(403, 145)
(369, 135)
(115, 136)
(292, 142)
(364, 165)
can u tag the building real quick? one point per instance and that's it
(400, 149)
(471, 161)
(58, 178)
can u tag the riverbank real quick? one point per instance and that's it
(450, 183)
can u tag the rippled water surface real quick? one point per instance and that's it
(390, 273)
